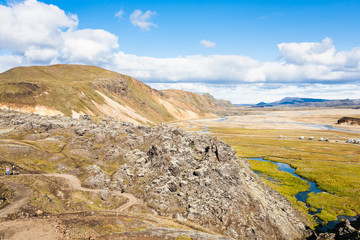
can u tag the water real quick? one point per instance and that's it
(321, 126)
(313, 125)
(205, 129)
(303, 196)
(222, 119)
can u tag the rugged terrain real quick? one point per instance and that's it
(72, 90)
(187, 184)
(349, 121)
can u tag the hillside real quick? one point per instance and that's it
(138, 182)
(73, 90)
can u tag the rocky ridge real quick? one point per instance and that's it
(349, 120)
(186, 176)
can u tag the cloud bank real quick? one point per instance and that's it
(35, 33)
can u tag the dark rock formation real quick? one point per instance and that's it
(117, 86)
(349, 120)
(344, 230)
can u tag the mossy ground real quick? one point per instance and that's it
(63, 197)
(6, 195)
(333, 165)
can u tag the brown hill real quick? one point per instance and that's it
(73, 90)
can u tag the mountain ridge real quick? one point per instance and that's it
(74, 90)
(309, 102)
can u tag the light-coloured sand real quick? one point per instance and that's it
(291, 119)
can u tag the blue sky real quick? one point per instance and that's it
(251, 28)
(243, 51)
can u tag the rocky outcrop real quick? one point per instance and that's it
(349, 120)
(186, 176)
(344, 230)
(118, 86)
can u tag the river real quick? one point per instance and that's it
(312, 125)
(303, 196)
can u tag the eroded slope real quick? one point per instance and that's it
(73, 90)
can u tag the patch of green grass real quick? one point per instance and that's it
(334, 166)
(6, 194)
(284, 182)
(333, 206)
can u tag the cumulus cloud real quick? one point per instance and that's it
(33, 33)
(250, 93)
(207, 44)
(319, 53)
(141, 20)
(88, 46)
(196, 68)
(309, 52)
(41, 33)
(34, 24)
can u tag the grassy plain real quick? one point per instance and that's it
(334, 165)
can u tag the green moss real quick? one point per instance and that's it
(333, 206)
(6, 195)
(333, 166)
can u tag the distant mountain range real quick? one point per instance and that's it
(310, 102)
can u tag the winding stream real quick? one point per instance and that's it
(312, 125)
(303, 196)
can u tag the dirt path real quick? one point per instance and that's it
(132, 201)
(22, 194)
(76, 184)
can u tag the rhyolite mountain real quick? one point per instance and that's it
(73, 90)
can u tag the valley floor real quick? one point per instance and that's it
(308, 140)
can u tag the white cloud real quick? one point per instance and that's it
(141, 20)
(34, 24)
(88, 46)
(207, 44)
(323, 53)
(33, 33)
(190, 68)
(42, 33)
(120, 14)
(251, 93)
(10, 61)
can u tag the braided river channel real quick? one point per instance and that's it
(303, 196)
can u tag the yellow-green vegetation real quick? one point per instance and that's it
(333, 206)
(127, 225)
(70, 89)
(183, 238)
(334, 166)
(6, 195)
(63, 197)
(284, 182)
